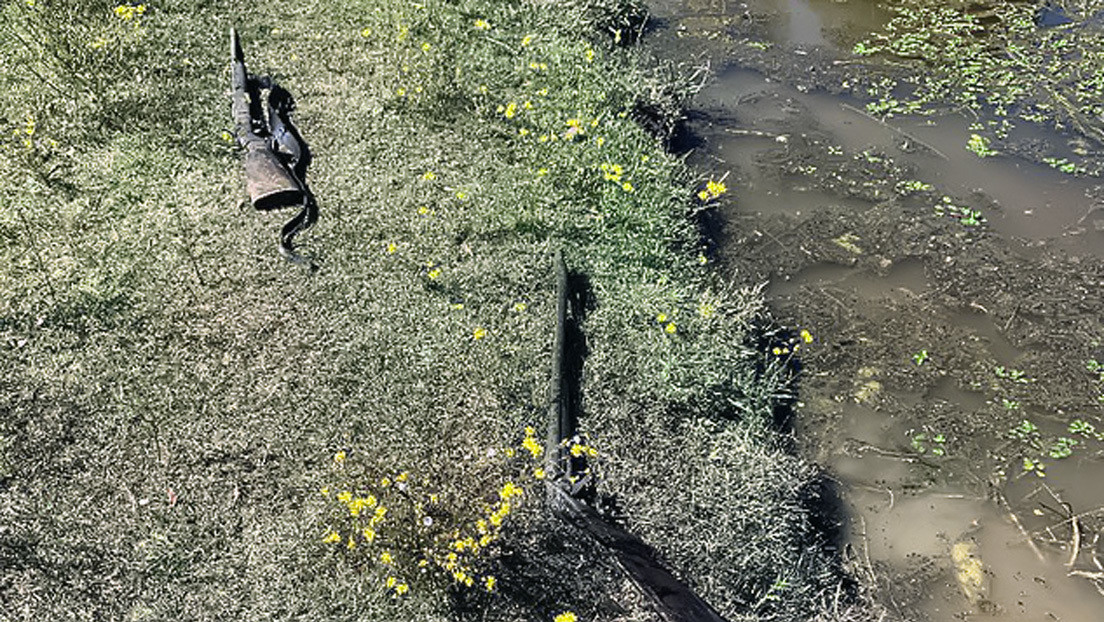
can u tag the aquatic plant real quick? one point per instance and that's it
(993, 61)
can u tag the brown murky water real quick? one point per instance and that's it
(933, 340)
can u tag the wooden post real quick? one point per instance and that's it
(672, 599)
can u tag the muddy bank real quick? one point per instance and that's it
(952, 384)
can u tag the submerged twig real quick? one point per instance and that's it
(1002, 500)
(895, 129)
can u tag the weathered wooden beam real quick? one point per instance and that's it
(672, 599)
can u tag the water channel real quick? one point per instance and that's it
(948, 360)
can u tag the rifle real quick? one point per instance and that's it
(276, 156)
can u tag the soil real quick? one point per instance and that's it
(933, 337)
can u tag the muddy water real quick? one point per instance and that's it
(935, 339)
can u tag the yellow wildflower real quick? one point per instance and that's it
(339, 457)
(385, 557)
(325, 491)
(706, 309)
(369, 534)
(391, 581)
(426, 47)
(523, 132)
(526, 40)
(479, 333)
(566, 616)
(627, 187)
(392, 248)
(589, 55)
(538, 473)
(401, 92)
(533, 446)
(434, 274)
(489, 582)
(712, 190)
(661, 317)
(402, 588)
(331, 538)
(519, 307)
(670, 328)
(344, 496)
(806, 336)
(402, 477)
(367, 32)
(385, 482)
(509, 489)
(600, 141)
(482, 24)
(511, 110)
(429, 176)
(351, 544)
(128, 13)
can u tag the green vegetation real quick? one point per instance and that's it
(920, 357)
(967, 216)
(1015, 375)
(980, 145)
(993, 62)
(928, 441)
(195, 428)
(1034, 445)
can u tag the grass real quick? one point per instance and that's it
(175, 397)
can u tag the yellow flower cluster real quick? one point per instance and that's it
(794, 344)
(482, 24)
(129, 13)
(530, 443)
(712, 190)
(407, 539)
(566, 616)
(668, 324)
(580, 449)
(27, 132)
(614, 172)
